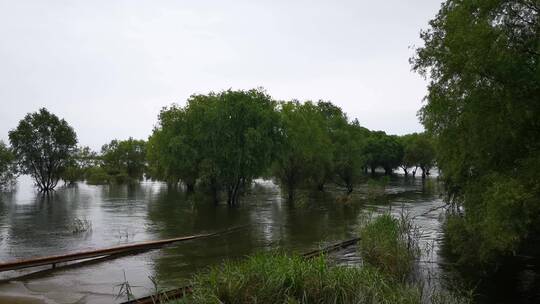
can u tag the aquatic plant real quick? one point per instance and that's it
(125, 289)
(390, 244)
(80, 225)
(281, 278)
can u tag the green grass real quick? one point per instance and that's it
(280, 278)
(389, 244)
(389, 247)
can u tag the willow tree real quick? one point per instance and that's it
(418, 152)
(482, 59)
(240, 133)
(382, 150)
(173, 154)
(349, 143)
(306, 150)
(224, 140)
(43, 145)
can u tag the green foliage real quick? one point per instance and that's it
(43, 145)
(384, 151)
(389, 245)
(98, 176)
(305, 155)
(418, 151)
(124, 160)
(172, 151)
(279, 278)
(482, 108)
(79, 165)
(244, 136)
(223, 139)
(349, 141)
(8, 169)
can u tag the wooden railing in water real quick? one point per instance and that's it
(178, 293)
(98, 253)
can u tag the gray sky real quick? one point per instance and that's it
(109, 66)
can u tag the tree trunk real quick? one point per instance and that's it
(291, 187)
(405, 171)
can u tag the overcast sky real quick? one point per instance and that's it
(109, 66)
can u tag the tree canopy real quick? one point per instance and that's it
(482, 59)
(43, 145)
(418, 152)
(225, 139)
(124, 159)
(305, 155)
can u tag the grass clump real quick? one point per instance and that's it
(80, 225)
(280, 278)
(390, 245)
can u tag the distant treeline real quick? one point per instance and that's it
(219, 143)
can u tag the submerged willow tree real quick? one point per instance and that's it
(482, 59)
(172, 152)
(240, 138)
(306, 152)
(43, 145)
(221, 140)
(418, 152)
(384, 151)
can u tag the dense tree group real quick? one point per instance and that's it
(483, 109)
(222, 141)
(219, 143)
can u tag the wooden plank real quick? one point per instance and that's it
(53, 260)
(178, 293)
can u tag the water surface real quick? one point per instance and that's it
(33, 225)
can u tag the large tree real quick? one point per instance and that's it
(43, 145)
(239, 134)
(172, 152)
(349, 158)
(222, 140)
(306, 151)
(482, 59)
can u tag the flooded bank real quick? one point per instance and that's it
(32, 225)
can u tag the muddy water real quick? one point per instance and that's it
(32, 225)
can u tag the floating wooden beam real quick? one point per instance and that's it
(144, 246)
(178, 293)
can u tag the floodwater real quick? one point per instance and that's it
(33, 225)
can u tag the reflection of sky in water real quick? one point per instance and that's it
(32, 226)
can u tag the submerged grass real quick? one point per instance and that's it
(80, 225)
